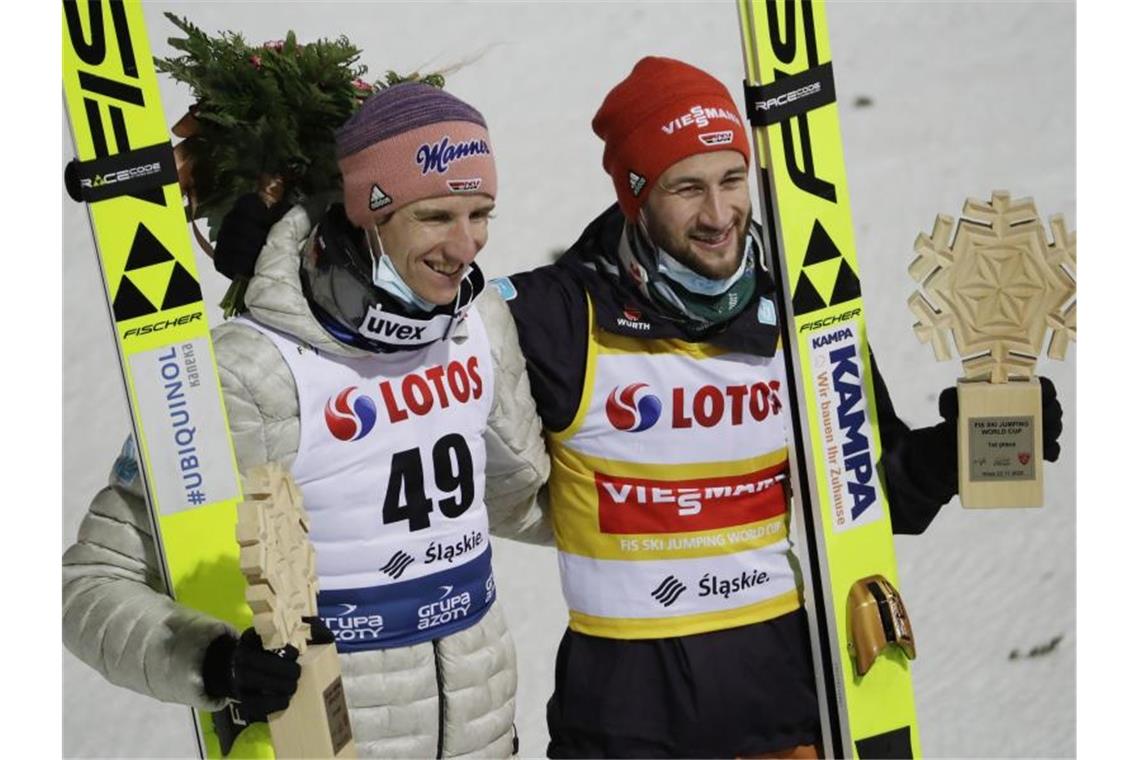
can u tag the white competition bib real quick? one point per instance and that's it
(391, 466)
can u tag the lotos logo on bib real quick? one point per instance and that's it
(633, 409)
(350, 424)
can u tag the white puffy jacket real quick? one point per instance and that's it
(450, 697)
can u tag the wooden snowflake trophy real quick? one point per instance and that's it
(280, 567)
(997, 287)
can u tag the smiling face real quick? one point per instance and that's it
(699, 212)
(433, 241)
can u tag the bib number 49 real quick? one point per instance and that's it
(406, 498)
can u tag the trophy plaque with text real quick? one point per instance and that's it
(280, 567)
(998, 287)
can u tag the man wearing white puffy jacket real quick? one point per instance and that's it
(360, 332)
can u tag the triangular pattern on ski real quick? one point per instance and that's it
(842, 515)
(161, 334)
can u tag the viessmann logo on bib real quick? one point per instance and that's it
(634, 408)
(638, 505)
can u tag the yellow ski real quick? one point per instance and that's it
(126, 175)
(858, 622)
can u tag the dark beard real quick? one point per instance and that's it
(682, 253)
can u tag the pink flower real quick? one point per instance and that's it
(278, 45)
(256, 61)
(363, 89)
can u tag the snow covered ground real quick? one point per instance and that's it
(964, 98)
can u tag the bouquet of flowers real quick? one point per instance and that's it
(263, 121)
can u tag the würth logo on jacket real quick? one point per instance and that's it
(631, 318)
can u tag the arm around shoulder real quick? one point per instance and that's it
(517, 462)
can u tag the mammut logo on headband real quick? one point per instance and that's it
(701, 116)
(437, 157)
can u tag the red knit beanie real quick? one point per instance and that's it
(663, 112)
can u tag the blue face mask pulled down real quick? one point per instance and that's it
(697, 283)
(385, 277)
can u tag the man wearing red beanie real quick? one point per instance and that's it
(654, 356)
(653, 353)
(663, 112)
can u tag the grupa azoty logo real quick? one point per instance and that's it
(350, 424)
(633, 408)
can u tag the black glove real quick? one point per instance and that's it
(243, 233)
(1050, 418)
(261, 680)
(319, 633)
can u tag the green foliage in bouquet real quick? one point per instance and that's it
(263, 111)
(264, 119)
